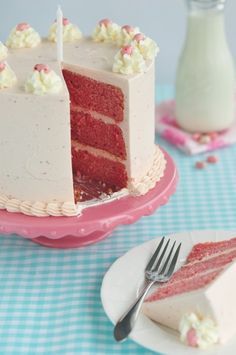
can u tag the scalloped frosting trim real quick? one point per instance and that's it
(71, 32)
(38, 208)
(23, 36)
(148, 182)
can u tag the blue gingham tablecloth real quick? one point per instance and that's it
(50, 299)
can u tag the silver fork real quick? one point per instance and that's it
(157, 270)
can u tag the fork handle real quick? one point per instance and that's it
(126, 323)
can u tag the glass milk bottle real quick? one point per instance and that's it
(205, 82)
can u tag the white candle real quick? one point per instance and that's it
(59, 35)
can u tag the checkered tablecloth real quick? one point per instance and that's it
(50, 299)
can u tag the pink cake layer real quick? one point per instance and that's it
(202, 250)
(94, 132)
(94, 95)
(190, 270)
(99, 169)
(182, 286)
(204, 263)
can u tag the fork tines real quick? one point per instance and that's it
(164, 266)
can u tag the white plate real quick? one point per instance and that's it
(123, 280)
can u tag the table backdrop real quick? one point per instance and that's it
(50, 299)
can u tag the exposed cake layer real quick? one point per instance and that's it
(202, 250)
(91, 94)
(198, 273)
(184, 285)
(99, 168)
(94, 132)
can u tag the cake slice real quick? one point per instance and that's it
(199, 299)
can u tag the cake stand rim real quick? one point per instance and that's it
(30, 227)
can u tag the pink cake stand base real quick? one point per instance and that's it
(95, 223)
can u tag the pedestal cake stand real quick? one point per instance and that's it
(95, 223)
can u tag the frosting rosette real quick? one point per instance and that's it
(126, 35)
(23, 36)
(71, 32)
(7, 76)
(147, 47)
(106, 31)
(43, 81)
(129, 61)
(3, 51)
(198, 331)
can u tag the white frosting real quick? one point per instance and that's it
(43, 209)
(147, 47)
(106, 33)
(39, 208)
(27, 38)
(129, 64)
(47, 119)
(3, 51)
(41, 83)
(215, 301)
(7, 77)
(205, 330)
(125, 37)
(71, 33)
(149, 180)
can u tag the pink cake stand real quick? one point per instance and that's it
(95, 223)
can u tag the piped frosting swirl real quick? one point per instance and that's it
(71, 32)
(106, 31)
(129, 61)
(43, 81)
(3, 51)
(198, 331)
(126, 35)
(7, 76)
(147, 47)
(23, 36)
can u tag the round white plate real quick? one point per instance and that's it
(125, 277)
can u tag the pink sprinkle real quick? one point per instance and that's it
(42, 67)
(2, 66)
(192, 338)
(65, 21)
(196, 136)
(128, 28)
(212, 159)
(200, 165)
(139, 37)
(127, 50)
(106, 22)
(22, 26)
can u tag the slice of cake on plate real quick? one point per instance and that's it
(77, 130)
(199, 299)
